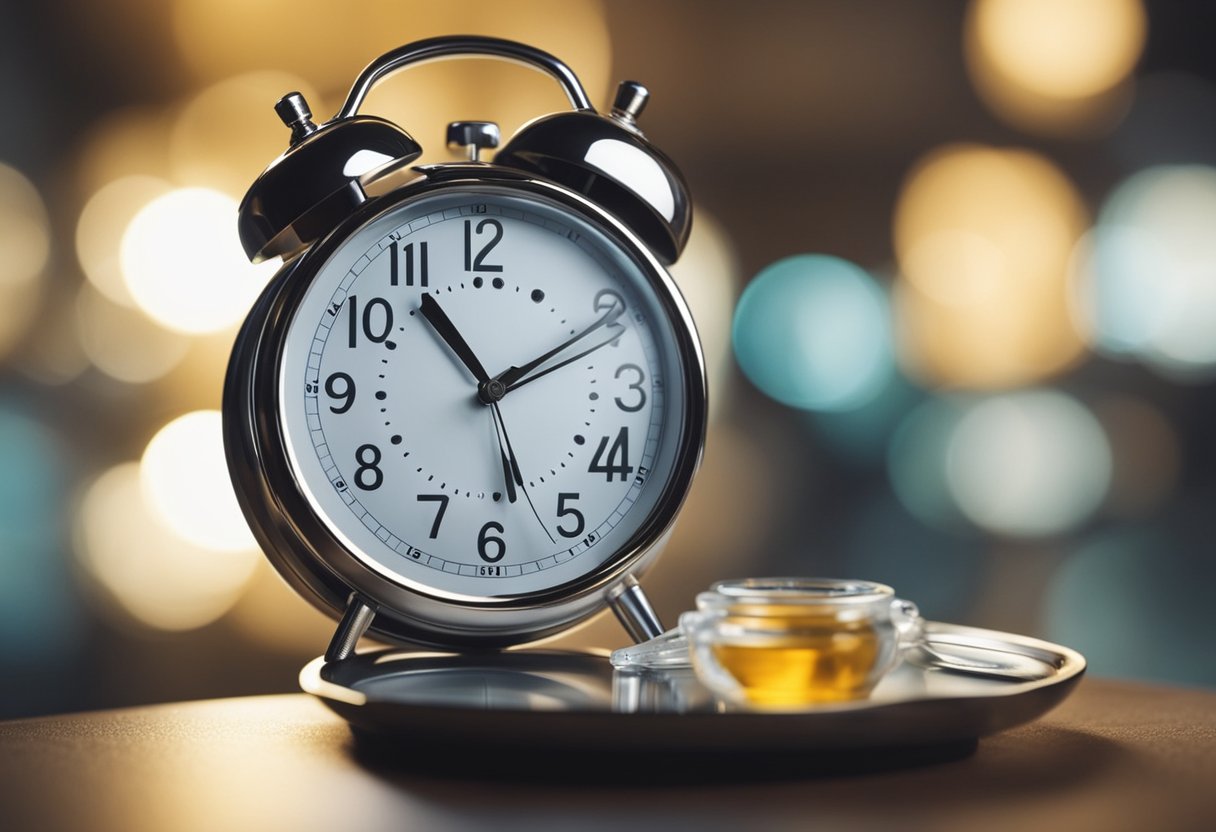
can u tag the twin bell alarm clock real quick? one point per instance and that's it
(467, 409)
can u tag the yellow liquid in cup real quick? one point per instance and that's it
(800, 660)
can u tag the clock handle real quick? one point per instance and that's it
(634, 611)
(463, 46)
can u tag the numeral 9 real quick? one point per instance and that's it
(346, 393)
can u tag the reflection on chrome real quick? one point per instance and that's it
(626, 163)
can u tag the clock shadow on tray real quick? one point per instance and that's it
(558, 718)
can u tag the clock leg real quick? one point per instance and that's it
(634, 611)
(355, 621)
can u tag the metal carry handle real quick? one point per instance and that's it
(455, 46)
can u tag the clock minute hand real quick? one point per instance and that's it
(433, 312)
(527, 379)
(511, 376)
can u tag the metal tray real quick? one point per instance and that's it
(567, 700)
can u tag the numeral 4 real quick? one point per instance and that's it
(614, 460)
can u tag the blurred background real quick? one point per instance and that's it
(954, 266)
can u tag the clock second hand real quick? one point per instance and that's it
(514, 466)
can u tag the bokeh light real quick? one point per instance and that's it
(122, 342)
(708, 275)
(183, 264)
(150, 573)
(813, 332)
(1146, 274)
(185, 479)
(99, 231)
(25, 243)
(984, 238)
(1053, 64)
(1028, 464)
(38, 613)
(1064, 48)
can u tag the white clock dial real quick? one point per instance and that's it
(473, 395)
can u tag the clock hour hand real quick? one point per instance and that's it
(511, 377)
(442, 324)
(508, 472)
(433, 312)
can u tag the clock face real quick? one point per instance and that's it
(480, 395)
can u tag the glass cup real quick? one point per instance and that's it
(791, 643)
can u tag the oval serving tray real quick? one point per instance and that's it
(570, 700)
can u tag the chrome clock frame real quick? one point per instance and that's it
(300, 545)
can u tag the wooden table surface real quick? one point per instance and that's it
(1114, 756)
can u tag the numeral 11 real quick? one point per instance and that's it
(408, 251)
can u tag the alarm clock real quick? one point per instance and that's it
(467, 409)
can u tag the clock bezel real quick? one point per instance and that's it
(300, 544)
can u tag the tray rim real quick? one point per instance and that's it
(683, 730)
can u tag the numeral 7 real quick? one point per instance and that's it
(442, 499)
